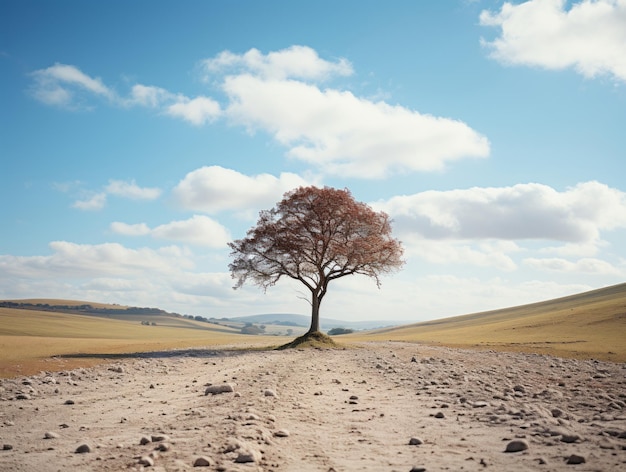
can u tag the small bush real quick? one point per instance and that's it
(336, 331)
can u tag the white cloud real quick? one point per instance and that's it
(95, 202)
(333, 130)
(118, 188)
(520, 212)
(70, 260)
(300, 62)
(58, 84)
(494, 254)
(148, 96)
(214, 189)
(582, 266)
(131, 190)
(197, 111)
(590, 36)
(342, 134)
(198, 230)
(139, 229)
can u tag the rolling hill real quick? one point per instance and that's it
(590, 324)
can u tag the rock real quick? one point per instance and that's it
(83, 449)
(440, 415)
(159, 437)
(556, 413)
(164, 447)
(516, 445)
(50, 435)
(269, 393)
(203, 461)
(69, 402)
(570, 438)
(575, 459)
(418, 469)
(22, 396)
(248, 455)
(145, 440)
(415, 442)
(147, 461)
(7, 447)
(281, 433)
(217, 389)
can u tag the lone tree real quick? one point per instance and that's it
(316, 235)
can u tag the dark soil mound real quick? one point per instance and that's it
(315, 339)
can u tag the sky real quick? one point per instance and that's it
(138, 138)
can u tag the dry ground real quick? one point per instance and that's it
(319, 410)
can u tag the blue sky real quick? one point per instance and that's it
(138, 138)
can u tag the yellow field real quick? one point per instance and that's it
(32, 341)
(588, 325)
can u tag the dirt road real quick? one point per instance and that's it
(375, 407)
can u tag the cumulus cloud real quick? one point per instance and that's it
(342, 134)
(148, 96)
(299, 62)
(582, 266)
(131, 190)
(520, 212)
(85, 260)
(214, 189)
(62, 85)
(95, 202)
(333, 130)
(59, 84)
(119, 188)
(198, 230)
(494, 254)
(590, 36)
(139, 229)
(197, 111)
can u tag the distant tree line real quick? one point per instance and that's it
(87, 309)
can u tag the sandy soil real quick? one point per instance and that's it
(319, 410)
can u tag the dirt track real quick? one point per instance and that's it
(320, 410)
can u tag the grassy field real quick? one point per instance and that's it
(32, 341)
(587, 325)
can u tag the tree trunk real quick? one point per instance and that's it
(315, 314)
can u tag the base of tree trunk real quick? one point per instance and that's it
(310, 339)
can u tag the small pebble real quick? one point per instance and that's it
(147, 461)
(83, 448)
(203, 461)
(575, 459)
(516, 445)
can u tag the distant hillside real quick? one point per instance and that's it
(291, 319)
(590, 324)
(83, 308)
